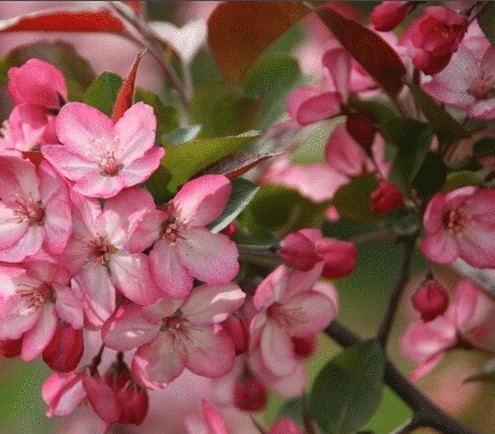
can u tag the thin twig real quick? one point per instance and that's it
(407, 427)
(402, 278)
(426, 413)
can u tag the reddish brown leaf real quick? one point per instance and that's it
(126, 91)
(238, 32)
(87, 20)
(238, 163)
(376, 56)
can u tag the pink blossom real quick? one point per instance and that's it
(288, 304)
(467, 81)
(34, 211)
(306, 247)
(285, 426)
(434, 37)
(32, 297)
(469, 322)
(63, 393)
(175, 334)
(185, 249)
(389, 14)
(461, 224)
(102, 157)
(104, 255)
(386, 198)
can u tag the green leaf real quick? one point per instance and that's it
(448, 130)
(243, 191)
(412, 139)
(460, 179)
(182, 135)
(183, 161)
(431, 175)
(281, 210)
(377, 110)
(353, 199)
(485, 19)
(293, 409)
(484, 147)
(167, 119)
(102, 93)
(348, 390)
(404, 221)
(77, 71)
(483, 377)
(223, 109)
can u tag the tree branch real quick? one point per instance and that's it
(426, 413)
(402, 278)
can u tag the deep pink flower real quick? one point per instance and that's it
(185, 249)
(34, 211)
(434, 37)
(386, 198)
(389, 14)
(461, 224)
(32, 297)
(102, 157)
(174, 334)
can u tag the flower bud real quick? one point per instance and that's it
(304, 347)
(11, 347)
(237, 330)
(249, 392)
(65, 350)
(386, 198)
(430, 300)
(362, 130)
(389, 14)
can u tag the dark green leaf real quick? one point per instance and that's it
(431, 175)
(182, 162)
(484, 377)
(377, 110)
(167, 119)
(486, 19)
(243, 191)
(461, 179)
(238, 163)
(348, 390)
(412, 139)
(281, 210)
(77, 71)
(353, 199)
(293, 409)
(484, 147)
(404, 221)
(102, 93)
(182, 135)
(223, 110)
(448, 130)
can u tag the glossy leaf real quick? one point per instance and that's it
(103, 92)
(431, 175)
(243, 191)
(375, 55)
(486, 18)
(222, 109)
(77, 71)
(281, 210)
(238, 32)
(348, 390)
(167, 119)
(404, 221)
(484, 147)
(461, 179)
(238, 163)
(447, 129)
(412, 139)
(125, 95)
(182, 135)
(353, 199)
(184, 161)
(87, 19)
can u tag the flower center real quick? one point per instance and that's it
(482, 83)
(34, 297)
(285, 318)
(108, 164)
(28, 210)
(101, 249)
(456, 220)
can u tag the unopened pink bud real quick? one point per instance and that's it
(65, 350)
(249, 393)
(430, 300)
(237, 330)
(389, 14)
(133, 403)
(304, 347)
(386, 198)
(298, 250)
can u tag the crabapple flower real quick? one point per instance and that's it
(104, 256)
(386, 198)
(434, 37)
(469, 322)
(467, 81)
(389, 14)
(175, 334)
(185, 249)
(461, 224)
(34, 209)
(32, 297)
(306, 247)
(288, 304)
(101, 157)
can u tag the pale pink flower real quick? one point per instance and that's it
(288, 304)
(185, 249)
(102, 157)
(434, 37)
(32, 298)
(306, 247)
(34, 211)
(175, 334)
(469, 322)
(467, 81)
(461, 224)
(104, 256)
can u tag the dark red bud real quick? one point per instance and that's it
(11, 347)
(362, 130)
(389, 14)
(133, 402)
(304, 347)
(249, 393)
(386, 198)
(430, 300)
(65, 350)
(237, 330)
